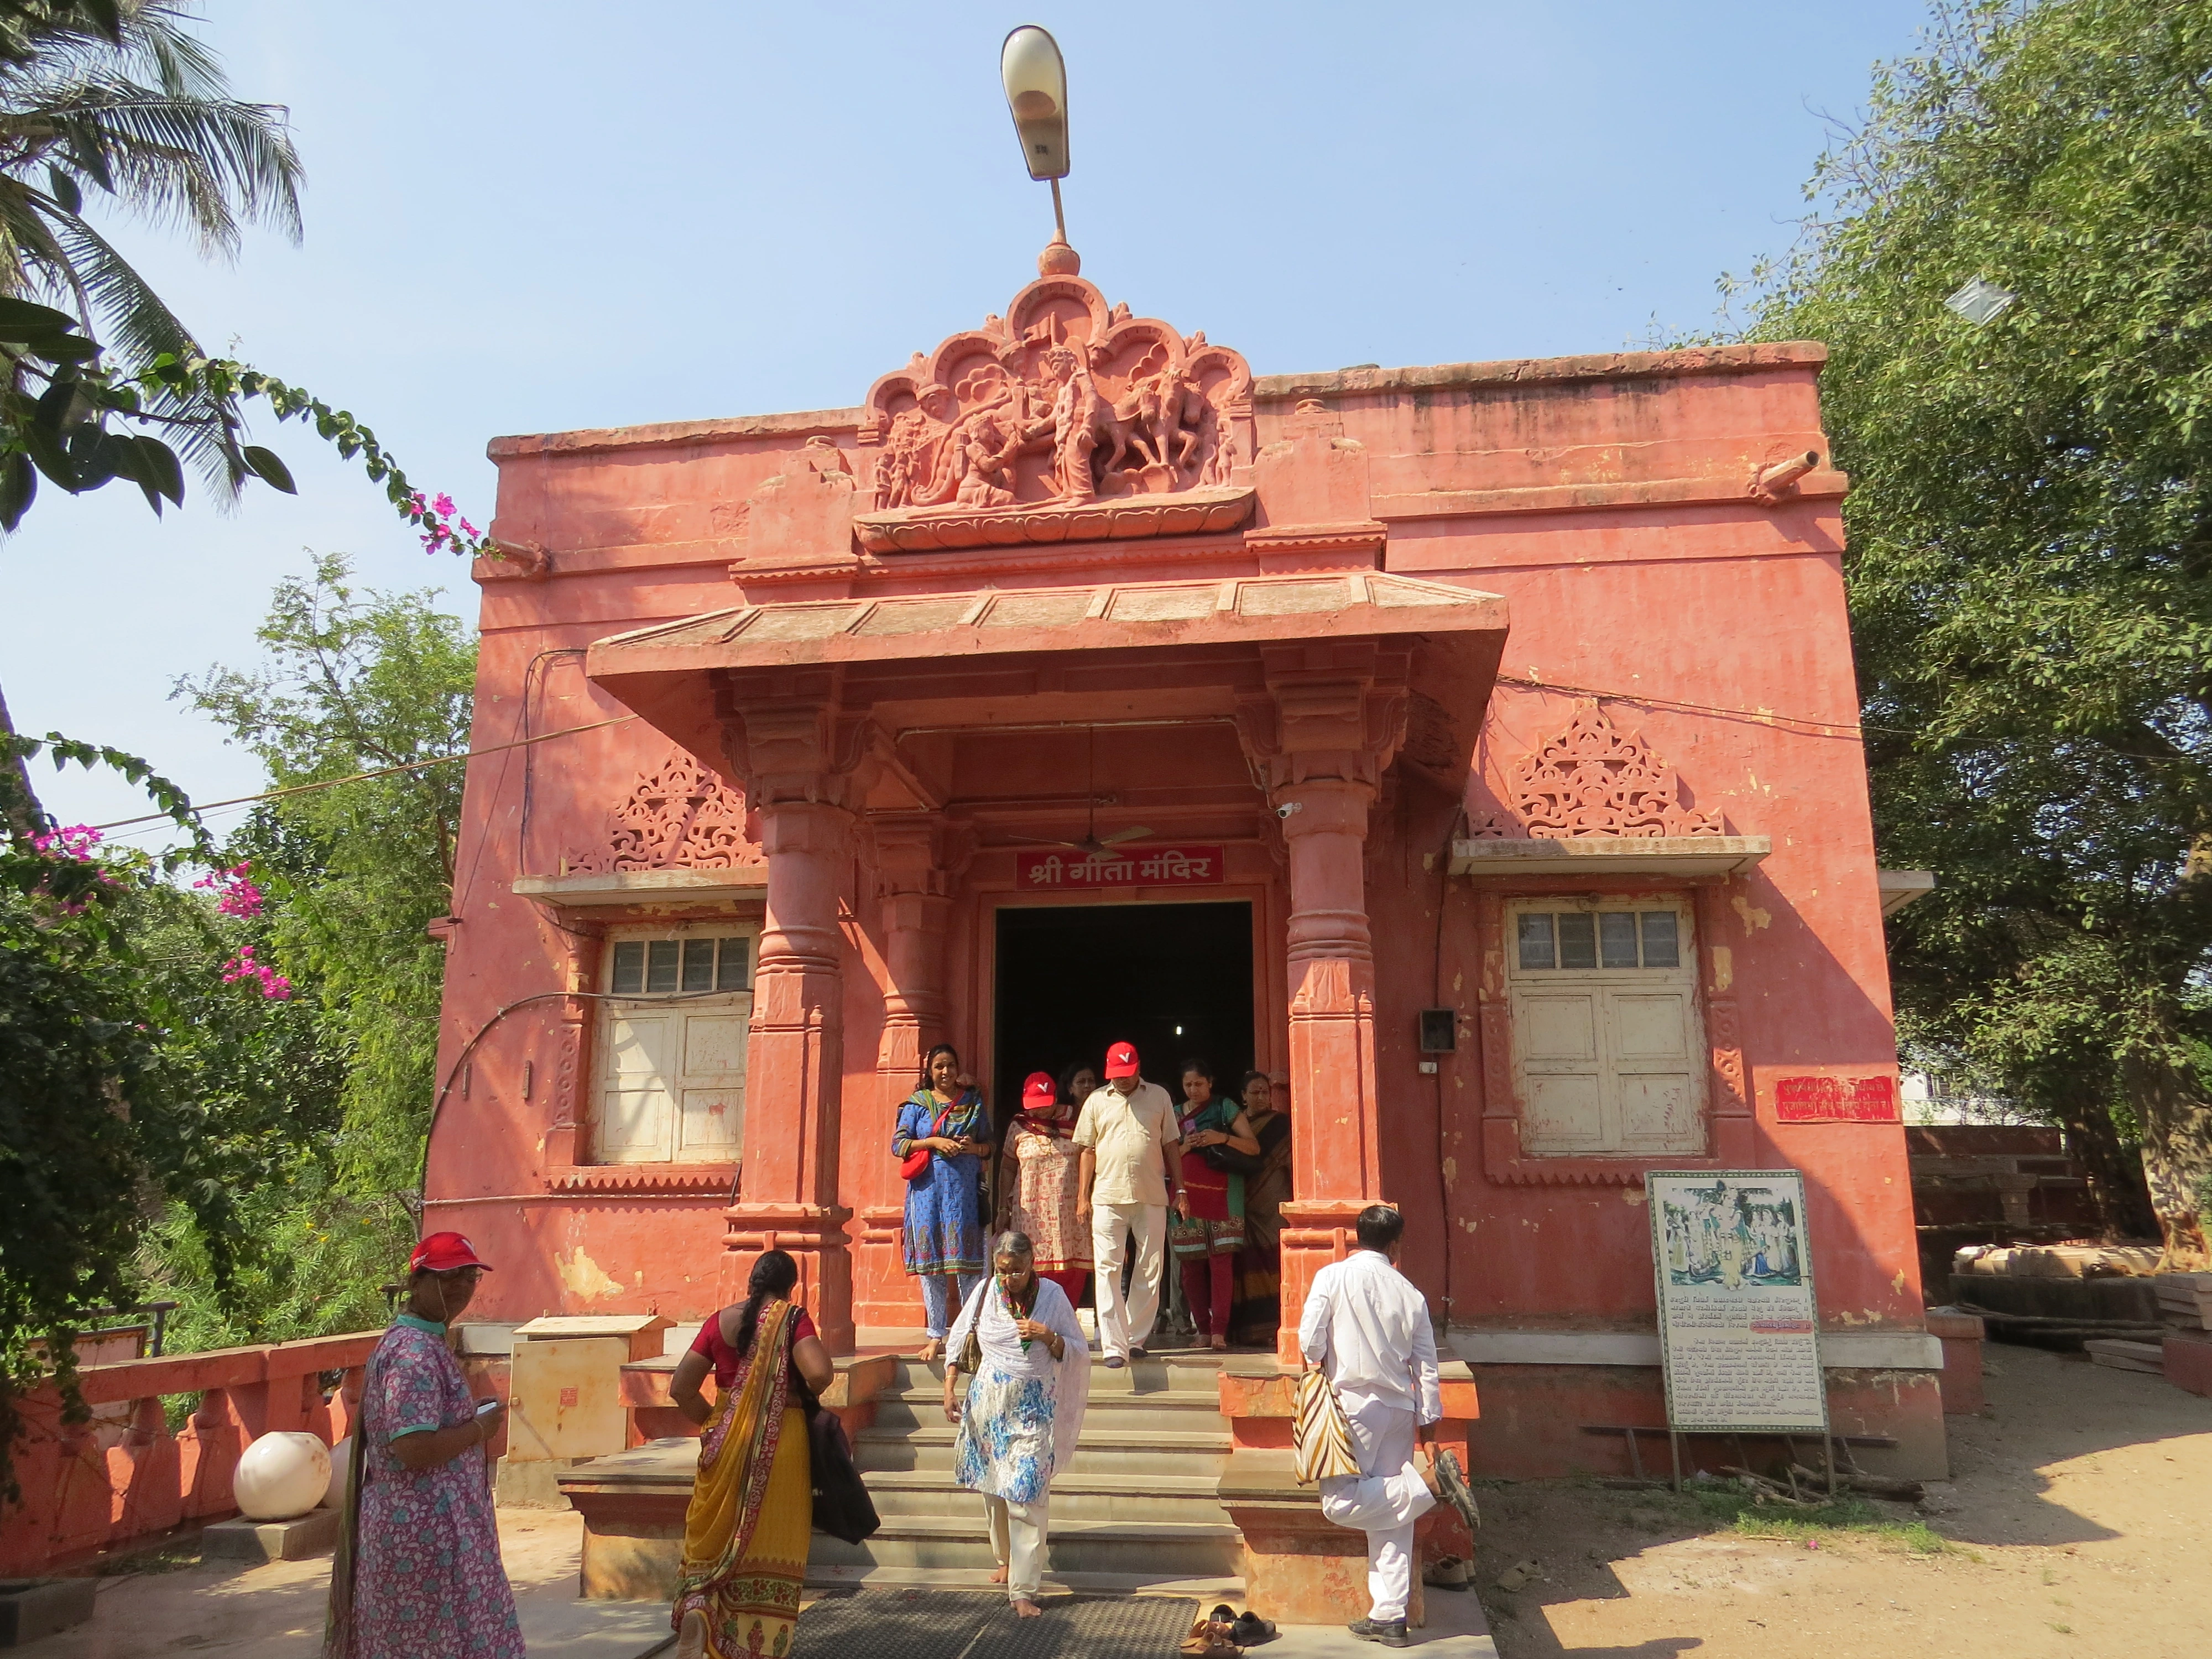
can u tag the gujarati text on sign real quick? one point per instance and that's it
(1739, 1329)
(1116, 867)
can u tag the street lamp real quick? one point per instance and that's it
(1037, 95)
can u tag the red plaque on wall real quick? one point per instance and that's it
(1117, 867)
(1836, 1100)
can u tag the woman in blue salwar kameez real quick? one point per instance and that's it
(944, 1130)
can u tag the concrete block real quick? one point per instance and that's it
(32, 1607)
(2189, 1362)
(315, 1533)
(531, 1483)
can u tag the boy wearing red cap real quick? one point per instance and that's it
(1130, 1142)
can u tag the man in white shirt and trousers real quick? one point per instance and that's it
(1131, 1159)
(1367, 1328)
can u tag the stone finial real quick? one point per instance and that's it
(1058, 259)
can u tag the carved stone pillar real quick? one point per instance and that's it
(917, 858)
(1327, 730)
(799, 764)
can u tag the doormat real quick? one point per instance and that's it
(917, 1623)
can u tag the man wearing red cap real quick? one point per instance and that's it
(1130, 1143)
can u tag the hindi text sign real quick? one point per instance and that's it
(1120, 866)
(1738, 1324)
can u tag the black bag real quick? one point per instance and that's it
(843, 1507)
(1227, 1159)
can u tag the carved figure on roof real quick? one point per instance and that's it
(1062, 403)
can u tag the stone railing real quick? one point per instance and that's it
(123, 1476)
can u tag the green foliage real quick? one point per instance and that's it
(133, 1075)
(2031, 578)
(352, 682)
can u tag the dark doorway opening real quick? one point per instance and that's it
(1173, 979)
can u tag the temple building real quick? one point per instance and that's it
(1474, 748)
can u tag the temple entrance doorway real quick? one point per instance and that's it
(1173, 979)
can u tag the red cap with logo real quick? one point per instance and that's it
(441, 1253)
(1122, 1061)
(1038, 1091)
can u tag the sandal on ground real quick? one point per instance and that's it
(1208, 1639)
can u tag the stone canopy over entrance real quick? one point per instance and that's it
(1022, 471)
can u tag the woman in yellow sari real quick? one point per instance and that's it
(752, 1503)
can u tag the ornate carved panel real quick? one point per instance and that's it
(1594, 778)
(1062, 403)
(678, 816)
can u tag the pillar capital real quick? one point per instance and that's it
(803, 750)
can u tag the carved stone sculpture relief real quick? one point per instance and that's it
(678, 816)
(1594, 779)
(1062, 404)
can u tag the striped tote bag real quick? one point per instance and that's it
(1320, 1440)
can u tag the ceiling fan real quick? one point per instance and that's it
(1092, 842)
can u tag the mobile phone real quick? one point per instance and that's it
(484, 1406)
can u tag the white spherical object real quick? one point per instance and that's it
(282, 1475)
(334, 1496)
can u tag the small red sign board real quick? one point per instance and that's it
(1121, 866)
(1836, 1100)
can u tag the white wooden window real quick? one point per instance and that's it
(671, 1074)
(1609, 1052)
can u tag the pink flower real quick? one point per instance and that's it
(274, 985)
(236, 895)
(444, 504)
(77, 841)
(468, 530)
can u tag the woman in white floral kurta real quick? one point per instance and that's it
(1024, 1410)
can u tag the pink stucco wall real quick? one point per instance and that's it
(1605, 501)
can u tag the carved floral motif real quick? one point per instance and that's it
(679, 817)
(1063, 402)
(1594, 779)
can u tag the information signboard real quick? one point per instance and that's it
(1738, 1324)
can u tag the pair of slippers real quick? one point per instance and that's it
(1225, 1633)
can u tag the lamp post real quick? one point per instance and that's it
(1036, 78)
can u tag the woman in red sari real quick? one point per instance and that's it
(1207, 1229)
(745, 1535)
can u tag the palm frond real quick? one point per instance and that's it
(202, 164)
(137, 327)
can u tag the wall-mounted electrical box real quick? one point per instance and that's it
(1439, 1031)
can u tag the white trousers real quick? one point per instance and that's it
(1017, 1544)
(1122, 1323)
(1383, 1500)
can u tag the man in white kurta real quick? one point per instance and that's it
(1129, 1160)
(1367, 1328)
(1024, 1410)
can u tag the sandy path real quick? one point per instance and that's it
(2083, 1514)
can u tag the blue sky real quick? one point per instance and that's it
(527, 217)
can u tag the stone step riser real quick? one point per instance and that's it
(1126, 1462)
(1103, 1416)
(1184, 1383)
(1135, 1557)
(1130, 1509)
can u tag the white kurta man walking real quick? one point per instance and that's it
(1366, 1328)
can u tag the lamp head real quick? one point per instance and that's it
(1036, 79)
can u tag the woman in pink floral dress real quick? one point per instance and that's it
(1037, 1178)
(418, 1571)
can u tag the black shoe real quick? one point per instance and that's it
(1250, 1630)
(1137, 1351)
(1391, 1633)
(1452, 1487)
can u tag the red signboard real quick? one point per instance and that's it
(1140, 866)
(1836, 1100)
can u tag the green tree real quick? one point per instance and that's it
(352, 682)
(2030, 535)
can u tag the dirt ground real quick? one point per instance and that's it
(2078, 1523)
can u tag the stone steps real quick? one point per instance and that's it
(1075, 1496)
(1146, 1550)
(1136, 1505)
(1097, 1452)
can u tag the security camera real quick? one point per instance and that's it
(1289, 807)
